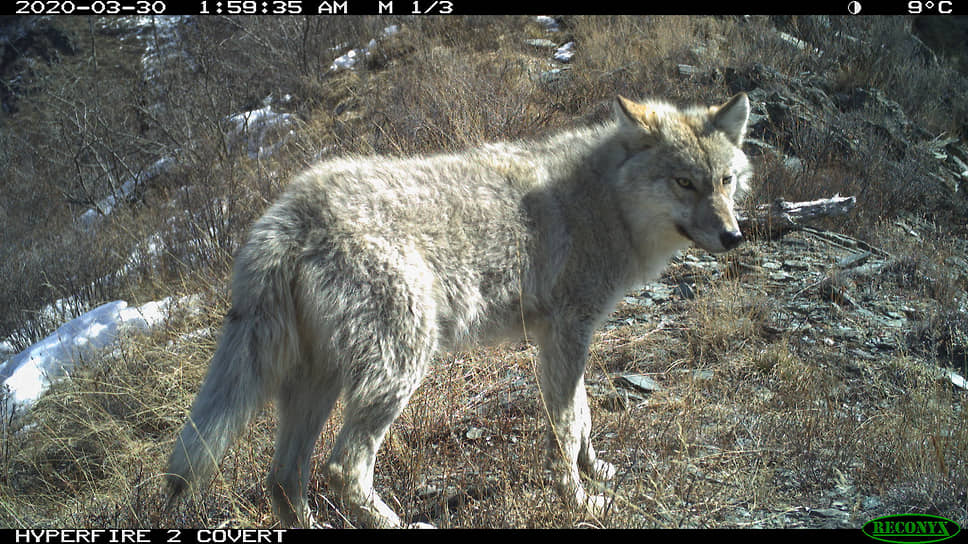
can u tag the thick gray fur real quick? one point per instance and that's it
(367, 267)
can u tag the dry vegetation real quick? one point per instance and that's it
(765, 418)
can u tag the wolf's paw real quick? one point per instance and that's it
(420, 525)
(377, 515)
(594, 504)
(602, 471)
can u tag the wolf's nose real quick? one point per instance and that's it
(731, 239)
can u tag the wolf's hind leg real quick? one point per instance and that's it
(350, 467)
(303, 403)
(380, 372)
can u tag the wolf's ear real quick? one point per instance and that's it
(731, 117)
(638, 115)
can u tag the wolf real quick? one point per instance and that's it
(366, 267)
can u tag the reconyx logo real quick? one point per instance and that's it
(910, 528)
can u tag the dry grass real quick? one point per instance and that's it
(761, 417)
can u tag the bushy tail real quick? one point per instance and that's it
(232, 393)
(255, 347)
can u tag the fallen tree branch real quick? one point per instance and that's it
(776, 219)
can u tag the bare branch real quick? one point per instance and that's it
(776, 219)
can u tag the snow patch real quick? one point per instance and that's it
(28, 374)
(348, 60)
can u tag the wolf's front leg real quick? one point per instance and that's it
(588, 461)
(563, 355)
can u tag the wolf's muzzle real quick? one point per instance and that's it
(730, 239)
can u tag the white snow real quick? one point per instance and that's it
(957, 380)
(550, 23)
(253, 126)
(348, 60)
(28, 374)
(161, 36)
(105, 206)
(565, 52)
(7, 349)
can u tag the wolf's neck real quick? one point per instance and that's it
(587, 154)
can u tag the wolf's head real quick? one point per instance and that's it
(683, 170)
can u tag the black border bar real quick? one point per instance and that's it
(478, 7)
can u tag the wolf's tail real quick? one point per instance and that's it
(257, 344)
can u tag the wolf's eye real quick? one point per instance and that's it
(727, 180)
(685, 183)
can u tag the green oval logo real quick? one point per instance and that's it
(909, 528)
